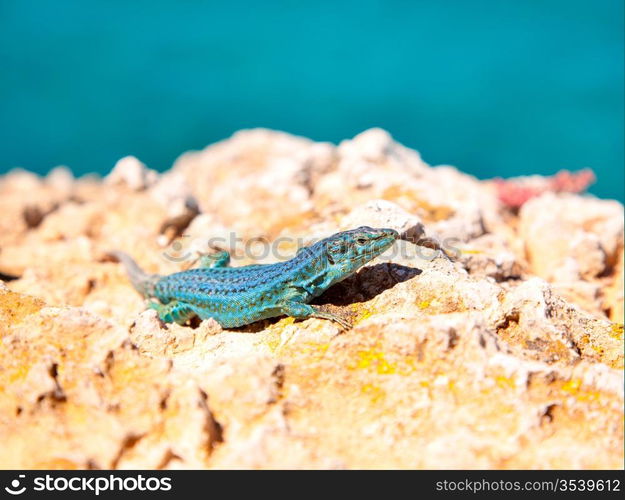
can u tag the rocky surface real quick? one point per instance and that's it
(507, 354)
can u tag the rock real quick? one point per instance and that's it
(588, 296)
(614, 302)
(268, 203)
(173, 192)
(561, 228)
(576, 243)
(372, 145)
(489, 256)
(25, 201)
(548, 328)
(61, 180)
(132, 173)
(20, 180)
(382, 213)
(507, 353)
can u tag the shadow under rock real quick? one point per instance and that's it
(366, 284)
(8, 277)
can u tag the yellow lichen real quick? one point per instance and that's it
(505, 382)
(617, 331)
(273, 341)
(365, 315)
(366, 358)
(407, 367)
(384, 367)
(76, 414)
(597, 349)
(376, 393)
(313, 349)
(572, 386)
(373, 359)
(18, 374)
(412, 201)
(586, 396)
(470, 251)
(14, 307)
(361, 313)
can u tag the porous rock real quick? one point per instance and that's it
(504, 352)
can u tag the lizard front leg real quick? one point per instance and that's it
(301, 310)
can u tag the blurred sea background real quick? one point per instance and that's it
(496, 88)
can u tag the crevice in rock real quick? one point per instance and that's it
(421, 349)
(108, 363)
(611, 263)
(129, 442)
(57, 394)
(308, 176)
(502, 277)
(548, 414)
(92, 465)
(278, 379)
(164, 400)
(194, 322)
(536, 379)
(8, 277)
(453, 339)
(482, 341)
(168, 457)
(511, 319)
(33, 215)
(212, 427)
(175, 226)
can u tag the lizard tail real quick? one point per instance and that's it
(144, 283)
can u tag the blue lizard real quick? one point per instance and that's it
(236, 296)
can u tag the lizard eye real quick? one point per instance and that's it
(361, 241)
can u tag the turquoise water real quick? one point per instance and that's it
(498, 88)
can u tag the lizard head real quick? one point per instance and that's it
(349, 250)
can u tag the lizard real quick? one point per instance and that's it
(237, 296)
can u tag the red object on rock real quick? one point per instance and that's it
(516, 191)
(572, 182)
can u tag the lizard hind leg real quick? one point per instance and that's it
(173, 312)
